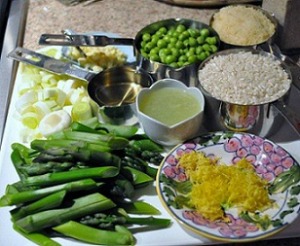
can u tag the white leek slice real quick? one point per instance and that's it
(77, 95)
(55, 94)
(26, 100)
(42, 108)
(30, 120)
(81, 111)
(54, 122)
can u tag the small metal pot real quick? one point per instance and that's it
(114, 90)
(225, 45)
(157, 70)
(259, 119)
(186, 74)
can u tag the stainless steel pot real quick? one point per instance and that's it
(260, 118)
(114, 90)
(225, 45)
(186, 74)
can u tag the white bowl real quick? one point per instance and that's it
(179, 132)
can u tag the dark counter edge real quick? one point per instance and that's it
(13, 37)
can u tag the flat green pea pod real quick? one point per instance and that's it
(119, 130)
(146, 144)
(138, 178)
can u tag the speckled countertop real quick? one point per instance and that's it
(124, 17)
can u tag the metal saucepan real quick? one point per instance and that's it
(114, 89)
(226, 44)
(186, 74)
(256, 118)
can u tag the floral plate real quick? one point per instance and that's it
(270, 161)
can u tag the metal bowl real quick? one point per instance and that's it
(226, 44)
(115, 92)
(263, 118)
(186, 74)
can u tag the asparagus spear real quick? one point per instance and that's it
(78, 155)
(88, 234)
(37, 237)
(52, 201)
(82, 206)
(36, 168)
(103, 221)
(32, 195)
(44, 144)
(112, 142)
(72, 175)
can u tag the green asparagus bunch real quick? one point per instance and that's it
(82, 175)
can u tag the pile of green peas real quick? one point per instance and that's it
(178, 46)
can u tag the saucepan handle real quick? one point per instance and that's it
(48, 63)
(82, 40)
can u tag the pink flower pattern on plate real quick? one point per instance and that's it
(268, 159)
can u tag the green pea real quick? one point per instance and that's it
(143, 43)
(213, 48)
(179, 44)
(180, 28)
(204, 32)
(166, 38)
(170, 59)
(163, 30)
(192, 59)
(164, 52)
(174, 65)
(182, 58)
(183, 36)
(173, 40)
(175, 52)
(186, 43)
(199, 49)
(154, 51)
(193, 32)
(202, 56)
(154, 39)
(154, 57)
(206, 47)
(207, 53)
(161, 43)
(180, 64)
(149, 46)
(192, 41)
(211, 40)
(146, 37)
(200, 40)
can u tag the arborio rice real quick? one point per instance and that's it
(244, 78)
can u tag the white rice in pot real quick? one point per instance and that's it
(244, 78)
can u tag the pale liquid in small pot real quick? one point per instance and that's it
(118, 94)
(170, 105)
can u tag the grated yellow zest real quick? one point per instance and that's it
(217, 186)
